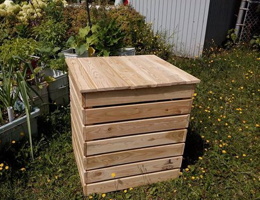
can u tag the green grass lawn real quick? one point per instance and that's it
(222, 153)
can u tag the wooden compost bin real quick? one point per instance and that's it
(129, 119)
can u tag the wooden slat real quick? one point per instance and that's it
(75, 94)
(79, 75)
(124, 157)
(166, 76)
(78, 162)
(147, 72)
(138, 95)
(108, 130)
(75, 105)
(134, 142)
(102, 75)
(76, 134)
(129, 75)
(134, 181)
(136, 111)
(170, 70)
(133, 169)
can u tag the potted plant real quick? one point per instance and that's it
(18, 53)
(82, 44)
(16, 116)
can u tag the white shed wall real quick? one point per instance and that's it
(184, 22)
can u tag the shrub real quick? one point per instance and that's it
(51, 32)
(75, 18)
(137, 32)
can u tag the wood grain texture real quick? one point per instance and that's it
(138, 95)
(77, 73)
(78, 162)
(93, 132)
(74, 93)
(124, 157)
(134, 142)
(103, 74)
(74, 103)
(128, 74)
(77, 134)
(133, 169)
(136, 111)
(133, 181)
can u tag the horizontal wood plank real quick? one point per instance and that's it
(132, 169)
(134, 181)
(124, 157)
(134, 142)
(136, 111)
(138, 95)
(93, 132)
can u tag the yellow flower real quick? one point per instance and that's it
(103, 195)
(2, 164)
(223, 151)
(258, 58)
(113, 175)
(23, 169)
(187, 169)
(131, 188)
(244, 155)
(193, 178)
(125, 191)
(13, 142)
(200, 158)
(229, 136)
(6, 167)
(1, 168)
(90, 197)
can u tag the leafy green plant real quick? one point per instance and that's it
(84, 40)
(51, 32)
(9, 92)
(17, 47)
(110, 37)
(231, 39)
(24, 91)
(255, 42)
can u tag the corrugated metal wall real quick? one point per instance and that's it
(184, 22)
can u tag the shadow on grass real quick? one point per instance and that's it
(194, 148)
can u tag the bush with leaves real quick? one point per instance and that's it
(255, 42)
(137, 33)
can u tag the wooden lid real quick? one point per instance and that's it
(93, 74)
